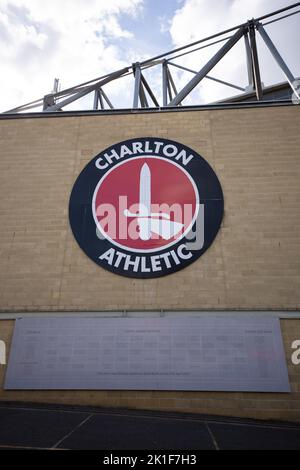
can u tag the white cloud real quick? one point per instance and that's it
(197, 19)
(75, 40)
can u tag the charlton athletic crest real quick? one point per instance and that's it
(146, 207)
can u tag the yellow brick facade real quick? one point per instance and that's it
(254, 262)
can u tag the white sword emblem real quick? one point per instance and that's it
(156, 222)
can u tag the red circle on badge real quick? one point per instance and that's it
(145, 204)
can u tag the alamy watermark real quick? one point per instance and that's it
(296, 94)
(162, 221)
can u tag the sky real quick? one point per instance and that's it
(78, 40)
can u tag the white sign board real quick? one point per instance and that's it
(211, 352)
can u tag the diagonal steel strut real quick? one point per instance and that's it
(207, 67)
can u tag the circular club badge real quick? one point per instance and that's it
(146, 207)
